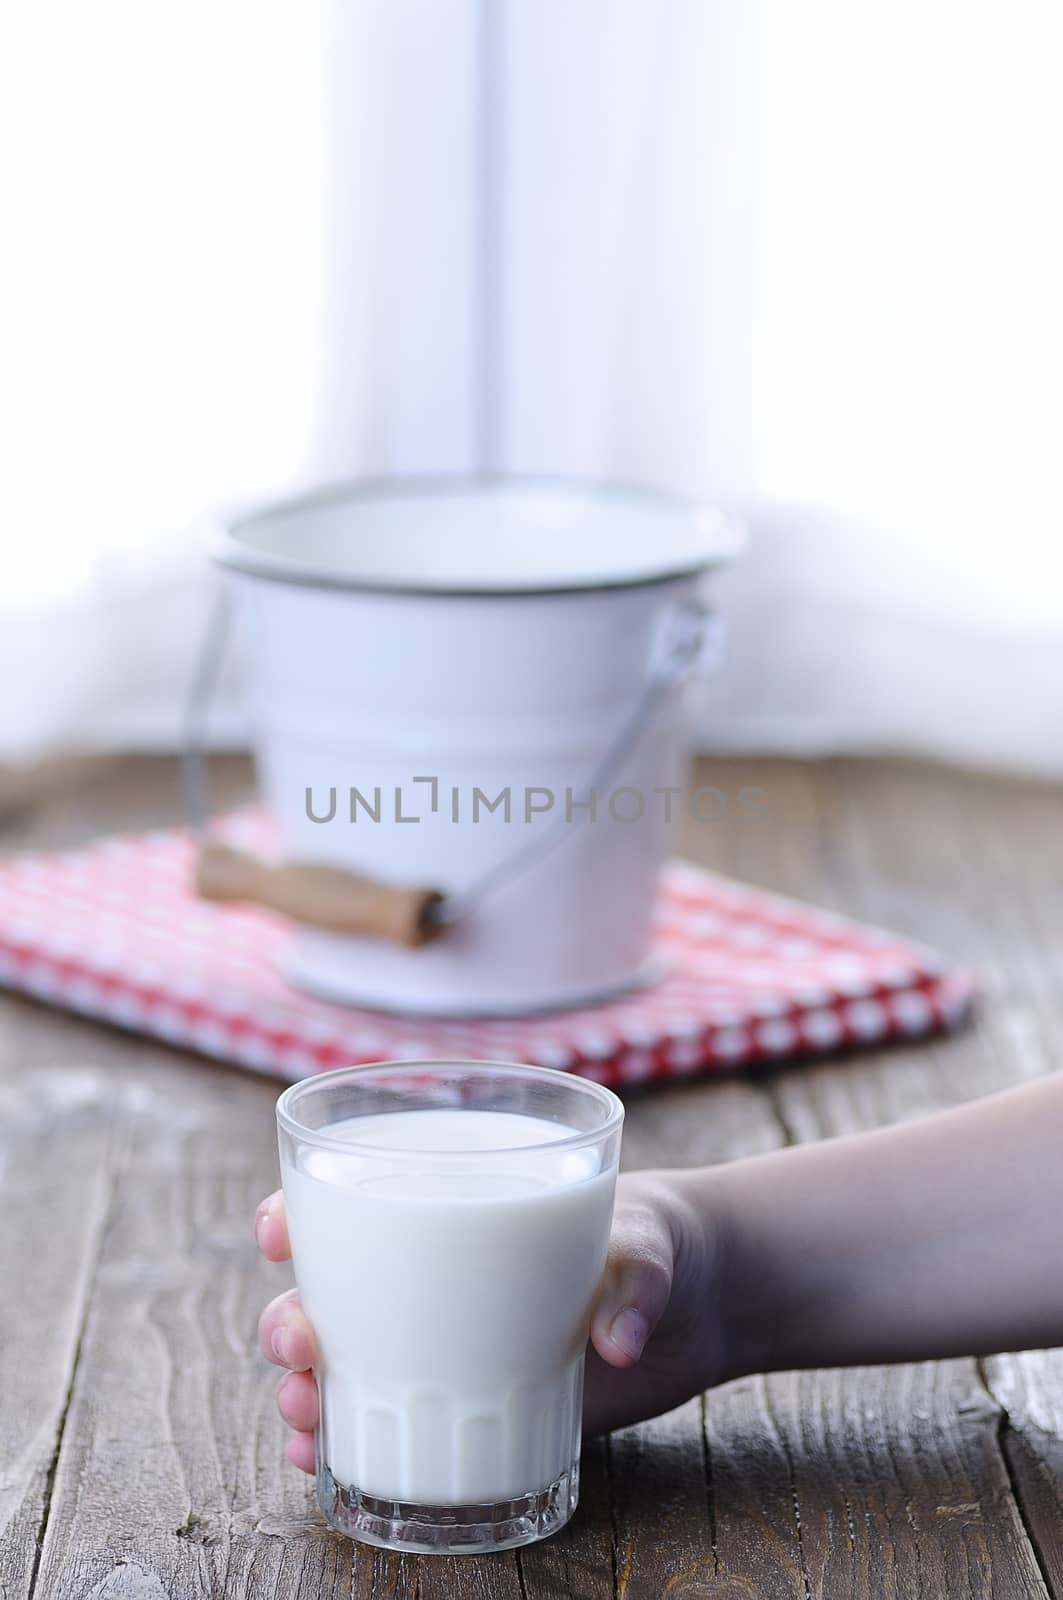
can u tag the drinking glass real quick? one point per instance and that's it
(448, 1265)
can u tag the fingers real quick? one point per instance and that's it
(284, 1334)
(271, 1228)
(285, 1337)
(636, 1285)
(300, 1452)
(297, 1401)
(296, 1391)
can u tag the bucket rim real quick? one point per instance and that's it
(721, 536)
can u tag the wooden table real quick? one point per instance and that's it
(140, 1454)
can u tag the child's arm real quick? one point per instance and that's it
(935, 1238)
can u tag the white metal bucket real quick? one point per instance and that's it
(415, 646)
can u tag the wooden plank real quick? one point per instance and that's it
(781, 841)
(54, 1133)
(875, 1482)
(71, 802)
(580, 1560)
(699, 1124)
(937, 1424)
(661, 1497)
(1007, 850)
(1029, 1390)
(171, 1478)
(183, 1151)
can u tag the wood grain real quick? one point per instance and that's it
(170, 1473)
(141, 1451)
(54, 1136)
(950, 1443)
(1029, 1390)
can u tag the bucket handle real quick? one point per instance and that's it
(344, 901)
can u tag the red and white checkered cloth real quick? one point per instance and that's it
(113, 931)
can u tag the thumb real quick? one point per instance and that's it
(635, 1287)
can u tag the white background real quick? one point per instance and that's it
(804, 259)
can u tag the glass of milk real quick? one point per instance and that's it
(449, 1223)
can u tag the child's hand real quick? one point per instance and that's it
(928, 1239)
(657, 1334)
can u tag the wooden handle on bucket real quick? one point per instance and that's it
(326, 897)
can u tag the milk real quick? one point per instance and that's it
(450, 1299)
